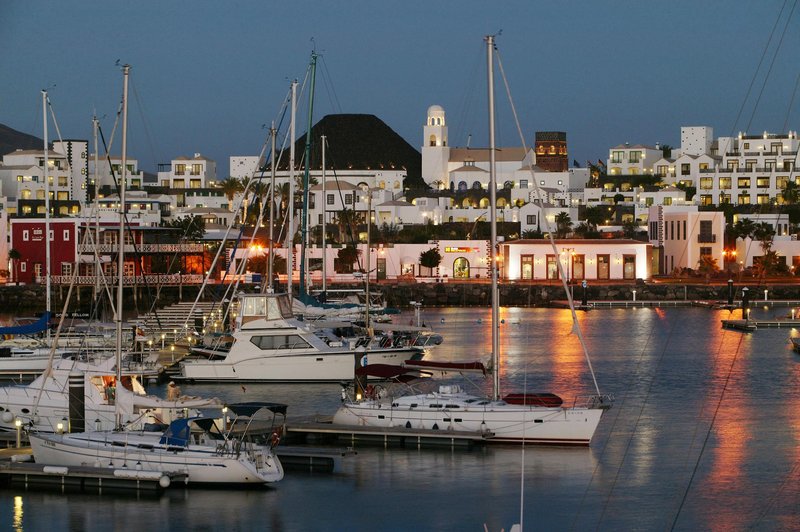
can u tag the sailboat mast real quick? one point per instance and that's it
(290, 207)
(121, 235)
(324, 222)
(46, 271)
(268, 283)
(96, 238)
(304, 230)
(493, 220)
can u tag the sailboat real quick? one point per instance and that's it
(206, 449)
(524, 418)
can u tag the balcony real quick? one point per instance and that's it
(706, 239)
(153, 279)
(142, 248)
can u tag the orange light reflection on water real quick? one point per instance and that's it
(733, 426)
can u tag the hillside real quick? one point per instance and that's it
(11, 139)
(360, 141)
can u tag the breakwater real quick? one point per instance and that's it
(28, 299)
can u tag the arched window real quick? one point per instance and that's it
(461, 268)
(476, 185)
(483, 203)
(397, 184)
(433, 140)
(508, 185)
(462, 186)
(552, 149)
(382, 185)
(501, 202)
(466, 203)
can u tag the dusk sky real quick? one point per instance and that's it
(207, 75)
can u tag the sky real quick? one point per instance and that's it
(208, 76)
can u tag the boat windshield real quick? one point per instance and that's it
(268, 306)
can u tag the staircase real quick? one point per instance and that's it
(173, 320)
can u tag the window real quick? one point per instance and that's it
(26, 235)
(279, 341)
(523, 183)
(63, 196)
(180, 169)
(552, 267)
(23, 266)
(706, 183)
(616, 156)
(661, 170)
(762, 182)
(704, 167)
(578, 266)
(725, 183)
(706, 200)
(763, 199)
(781, 181)
(733, 166)
(65, 235)
(634, 157)
(330, 199)
(603, 266)
(629, 266)
(750, 165)
(743, 182)
(62, 181)
(685, 169)
(705, 251)
(197, 169)
(526, 266)
(66, 268)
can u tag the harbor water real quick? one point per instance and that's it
(703, 435)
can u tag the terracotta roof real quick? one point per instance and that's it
(482, 154)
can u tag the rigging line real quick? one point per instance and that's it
(463, 115)
(791, 102)
(618, 415)
(755, 74)
(326, 76)
(771, 64)
(143, 118)
(771, 501)
(575, 325)
(708, 433)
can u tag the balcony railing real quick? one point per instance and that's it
(142, 248)
(707, 239)
(153, 279)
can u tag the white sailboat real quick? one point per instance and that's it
(207, 450)
(536, 418)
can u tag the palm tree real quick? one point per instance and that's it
(14, 256)
(563, 224)
(230, 187)
(790, 193)
(744, 228)
(594, 216)
(764, 233)
(707, 266)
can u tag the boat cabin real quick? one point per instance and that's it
(268, 307)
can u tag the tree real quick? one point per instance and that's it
(744, 228)
(431, 258)
(563, 224)
(707, 266)
(594, 216)
(618, 198)
(666, 151)
(790, 193)
(581, 229)
(630, 228)
(14, 255)
(764, 233)
(193, 227)
(230, 187)
(345, 259)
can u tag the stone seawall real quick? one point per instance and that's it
(25, 300)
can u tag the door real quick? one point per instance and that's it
(578, 270)
(629, 266)
(381, 269)
(526, 266)
(603, 262)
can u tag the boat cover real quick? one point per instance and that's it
(29, 328)
(460, 367)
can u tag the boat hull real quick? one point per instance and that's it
(202, 466)
(499, 421)
(332, 366)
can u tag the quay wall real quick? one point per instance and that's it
(27, 299)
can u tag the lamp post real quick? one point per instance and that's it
(18, 425)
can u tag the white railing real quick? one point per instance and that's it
(142, 248)
(152, 279)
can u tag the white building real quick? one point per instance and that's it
(184, 172)
(680, 235)
(625, 159)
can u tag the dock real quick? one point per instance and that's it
(314, 431)
(753, 324)
(85, 479)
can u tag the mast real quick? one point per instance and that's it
(96, 238)
(369, 250)
(121, 235)
(268, 283)
(493, 220)
(46, 271)
(304, 230)
(324, 223)
(290, 207)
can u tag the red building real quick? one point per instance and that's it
(28, 239)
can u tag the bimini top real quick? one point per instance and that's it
(29, 328)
